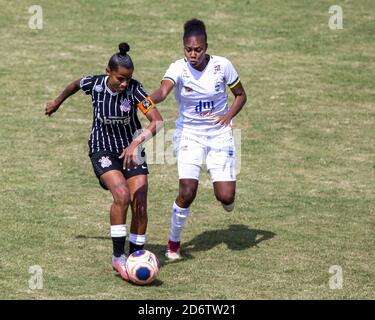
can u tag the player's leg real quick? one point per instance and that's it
(138, 186)
(221, 167)
(190, 155)
(180, 212)
(187, 192)
(116, 183)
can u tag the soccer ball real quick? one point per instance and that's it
(142, 267)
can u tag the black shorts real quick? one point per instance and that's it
(104, 161)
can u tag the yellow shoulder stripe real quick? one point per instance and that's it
(234, 84)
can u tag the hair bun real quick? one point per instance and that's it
(124, 48)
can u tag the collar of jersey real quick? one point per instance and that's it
(195, 70)
(109, 90)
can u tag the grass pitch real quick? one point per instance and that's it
(305, 195)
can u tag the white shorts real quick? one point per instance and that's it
(217, 152)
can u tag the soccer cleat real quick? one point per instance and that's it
(228, 207)
(173, 251)
(118, 264)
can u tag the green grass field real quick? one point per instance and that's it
(306, 188)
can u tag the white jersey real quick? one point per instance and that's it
(201, 95)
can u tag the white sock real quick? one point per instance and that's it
(178, 220)
(138, 239)
(118, 230)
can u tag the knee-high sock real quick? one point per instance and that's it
(118, 235)
(178, 221)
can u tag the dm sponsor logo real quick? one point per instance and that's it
(204, 106)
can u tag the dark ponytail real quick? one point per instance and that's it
(123, 48)
(121, 58)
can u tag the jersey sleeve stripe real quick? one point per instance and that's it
(234, 83)
(137, 98)
(169, 79)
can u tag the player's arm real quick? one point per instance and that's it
(240, 99)
(164, 90)
(156, 124)
(53, 105)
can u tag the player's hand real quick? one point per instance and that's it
(129, 154)
(223, 120)
(51, 107)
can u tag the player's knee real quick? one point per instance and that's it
(187, 196)
(121, 196)
(225, 198)
(139, 199)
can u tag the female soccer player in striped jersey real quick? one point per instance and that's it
(115, 146)
(203, 129)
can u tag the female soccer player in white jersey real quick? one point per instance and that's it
(203, 128)
(114, 143)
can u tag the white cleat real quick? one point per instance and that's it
(228, 207)
(173, 255)
(118, 265)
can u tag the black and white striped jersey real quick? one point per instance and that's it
(115, 119)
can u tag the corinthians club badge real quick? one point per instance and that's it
(125, 105)
(105, 162)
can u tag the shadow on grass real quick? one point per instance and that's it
(156, 283)
(81, 236)
(236, 237)
(157, 249)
